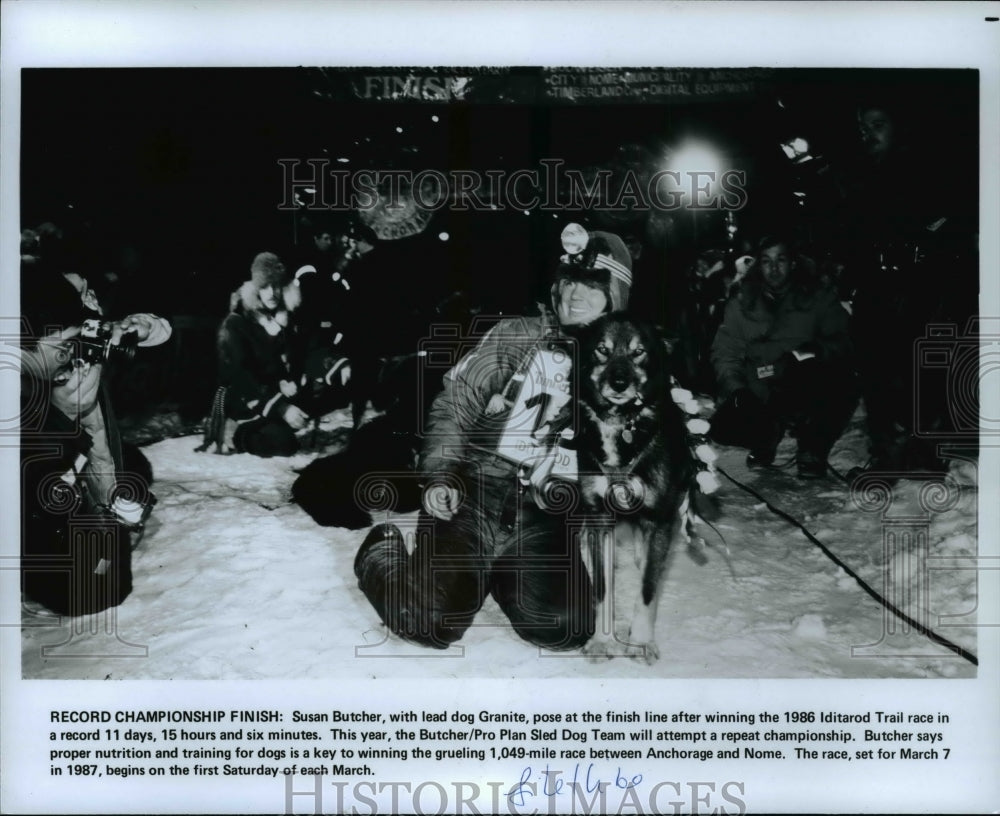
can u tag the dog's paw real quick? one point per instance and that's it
(599, 649)
(647, 653)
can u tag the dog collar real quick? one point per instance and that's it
(627, 431)
(627, 434)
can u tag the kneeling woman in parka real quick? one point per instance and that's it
(480, 531)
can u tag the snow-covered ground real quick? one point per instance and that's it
(233, 581)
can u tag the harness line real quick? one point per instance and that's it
(924, 630)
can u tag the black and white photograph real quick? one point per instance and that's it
(563, 426)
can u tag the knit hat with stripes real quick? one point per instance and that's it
(600, 259)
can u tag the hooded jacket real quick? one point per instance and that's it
(254, 354)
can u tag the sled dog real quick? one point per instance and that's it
(637, 474)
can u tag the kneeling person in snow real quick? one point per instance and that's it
(481, 531)
(781, 358)
(257, 377)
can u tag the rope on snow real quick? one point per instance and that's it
(924, 630)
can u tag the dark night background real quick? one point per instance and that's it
(181, 166)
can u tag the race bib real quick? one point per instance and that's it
(543, 392)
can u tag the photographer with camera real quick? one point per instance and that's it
(84, 493)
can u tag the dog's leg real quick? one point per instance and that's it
(652, 548)
(599, 557)
(641, 645)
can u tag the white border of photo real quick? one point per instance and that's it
(216, 33)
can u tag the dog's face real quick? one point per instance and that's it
(622, 362)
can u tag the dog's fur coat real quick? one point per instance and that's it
(636, 470)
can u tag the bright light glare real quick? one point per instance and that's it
(695, 157)
(695, 164)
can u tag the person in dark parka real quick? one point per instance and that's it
(781, 358)
(258, 378)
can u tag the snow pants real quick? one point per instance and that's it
(814, 397)
(498, 542)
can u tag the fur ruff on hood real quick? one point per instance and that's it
(246, 301)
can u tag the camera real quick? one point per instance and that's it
(95, 343)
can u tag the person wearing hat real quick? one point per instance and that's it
(254, 409)
(480, 531)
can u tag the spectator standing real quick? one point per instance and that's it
(905, 243)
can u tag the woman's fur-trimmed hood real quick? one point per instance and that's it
(246, 301)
